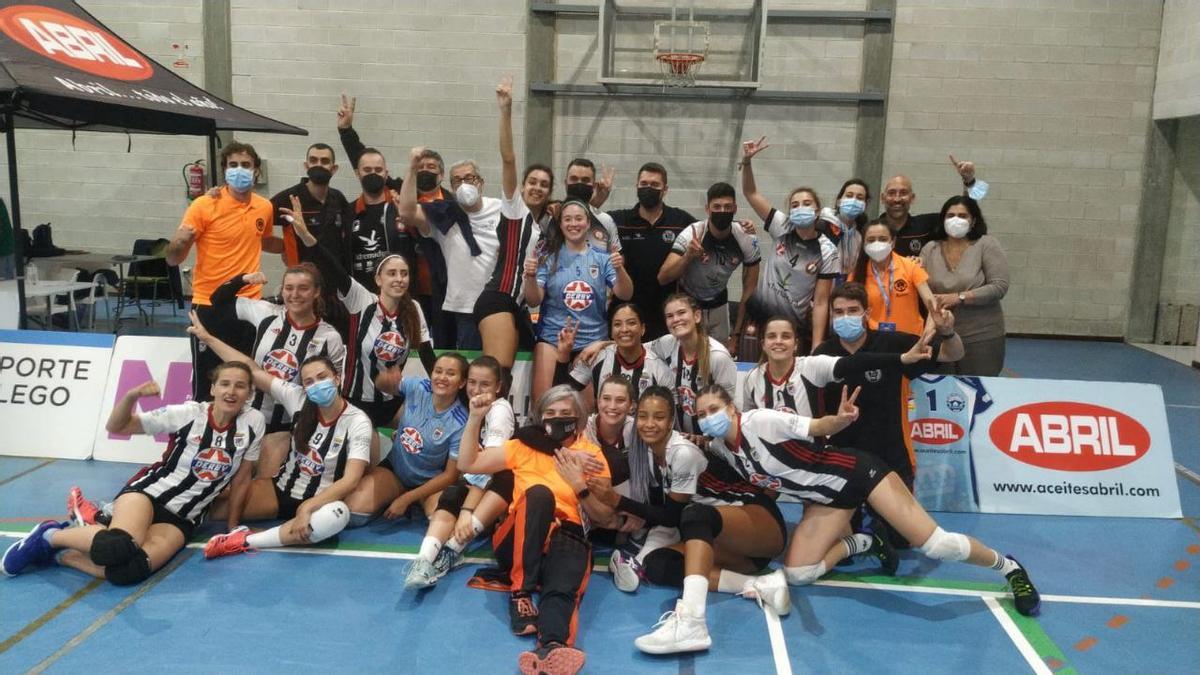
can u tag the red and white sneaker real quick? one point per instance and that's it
(227, 544)
(80, 511)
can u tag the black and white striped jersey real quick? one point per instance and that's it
(280, 346)
(498, 427)
(685, 376)
(377, 342)
(201, 457)
(322, 460)
(642, 372)
(790, 393)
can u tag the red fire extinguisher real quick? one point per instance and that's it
(193, 178)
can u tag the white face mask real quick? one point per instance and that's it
(467, 195)
(957, 227)
(878, 250)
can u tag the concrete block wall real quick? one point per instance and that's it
(1178, 91)
(1181, 266)
(1052, 101)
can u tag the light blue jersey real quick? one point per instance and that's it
(577, 288)
(425, 439)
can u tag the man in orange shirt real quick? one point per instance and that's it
(230, 231)
(543, 541)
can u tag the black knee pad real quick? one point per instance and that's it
(452, 499)
(538, 495)
(113, 547)
(502, 484)
(135, 570)
(700, 521)
(664, 567)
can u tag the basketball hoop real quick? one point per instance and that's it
(679, 68)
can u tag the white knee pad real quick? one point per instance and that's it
(943, 545)
(328, 521)
(803, 575)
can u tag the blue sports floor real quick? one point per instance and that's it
(1119, 595)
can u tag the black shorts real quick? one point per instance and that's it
(495, 302)
(287, 504)
(867, 473)
(164, 515)
(772, 508)
(382, 413)
(502, 484)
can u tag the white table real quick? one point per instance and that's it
(50, 288)
(95, 261)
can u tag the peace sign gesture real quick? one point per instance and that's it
(848, 409)
(752, 148)
(965, 169)
(566, 339)
(345, 113)
(921, 351)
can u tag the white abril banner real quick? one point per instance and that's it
(51, 390)
(135, 360)
(1074, 448)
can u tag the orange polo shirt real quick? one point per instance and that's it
(531, 467)
(906, 275)
(229, 235)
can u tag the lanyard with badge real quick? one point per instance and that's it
(888, 326)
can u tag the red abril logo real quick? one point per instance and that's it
(931, 431)
(578, 295)
(73, 42)
(1070, 436)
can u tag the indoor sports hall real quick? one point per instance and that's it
(1072, 445)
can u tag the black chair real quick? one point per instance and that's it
(153, 276)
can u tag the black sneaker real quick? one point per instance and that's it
(883, 550)
(522, 614)
(554, 658)
(1025, 596)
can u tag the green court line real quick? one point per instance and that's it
(919, 582)
(1038, 639)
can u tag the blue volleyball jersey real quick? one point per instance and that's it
(578, 288)
(425, 438)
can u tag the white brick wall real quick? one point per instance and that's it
(1178, 91)
(1181, 265)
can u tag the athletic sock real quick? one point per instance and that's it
(48, 535)
(429, 548)
(857, 543)
(1004, 565)
(268, 539)
(733, 582)
(695, 594)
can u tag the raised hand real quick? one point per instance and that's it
(345, 113)
(295, 216)
(566, 339)
(479, 405)
(616, 260)
(414, 156)
(530, 267)
(943, 319)
(388, 380)
(848, 410)
(145, 389)
(966, 170)
(695, 249)
(752, 148)
(921, 351)
(504, 92)
(254, 279)
(197, 328)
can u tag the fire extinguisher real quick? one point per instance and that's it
(193, 178)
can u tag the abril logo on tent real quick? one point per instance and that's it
(933, 431)
(1069, 436)
(73, 42)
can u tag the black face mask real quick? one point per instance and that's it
(649, 197)
(372, 183)
(319, 175)
(559, 429)
(426, 181)
(721, 221)
(581, 191)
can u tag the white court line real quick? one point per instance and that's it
(1187, 473)
(1031, 657)
(783, 664)
(1181, 405)
(1077, 599)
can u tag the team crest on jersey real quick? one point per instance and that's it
(578, 295)
(901, 286)
(781, 250)
(239, 440)
(211, 464)
(282, 364)
(687, 400)
(767, 482)
(438, 432)
(811, 267)
(410, 439)
(644, 382)
(915, 246)
(956, 403)
(390, 347)
(310, 462)
(669, 237)
(873, 376)
(594, 271)
(260, 225)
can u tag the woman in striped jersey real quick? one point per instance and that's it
(284, 337)
(384, 328)
(330, 452)
(778, 452)
(212, 446)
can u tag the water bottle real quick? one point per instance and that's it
(31, 274)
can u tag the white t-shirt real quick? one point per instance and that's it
(468, 274)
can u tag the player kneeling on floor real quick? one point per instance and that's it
(213, 446)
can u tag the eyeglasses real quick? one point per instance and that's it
(471, 178)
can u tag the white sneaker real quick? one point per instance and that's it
(624, 568)
(770, 590)
(676, 632)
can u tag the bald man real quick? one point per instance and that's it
(912, 232)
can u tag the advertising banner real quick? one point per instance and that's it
(940, 414)
(135, 360)
(51, 390)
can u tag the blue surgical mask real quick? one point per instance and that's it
(849, 328)
(322, 393)
(239, 178)
(851, 208)
(978, 190)
(715, 425)
(802, 217)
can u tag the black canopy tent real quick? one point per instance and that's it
(60, 68)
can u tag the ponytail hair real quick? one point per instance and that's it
(703, 348)
(306, 420)
(317, 281)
